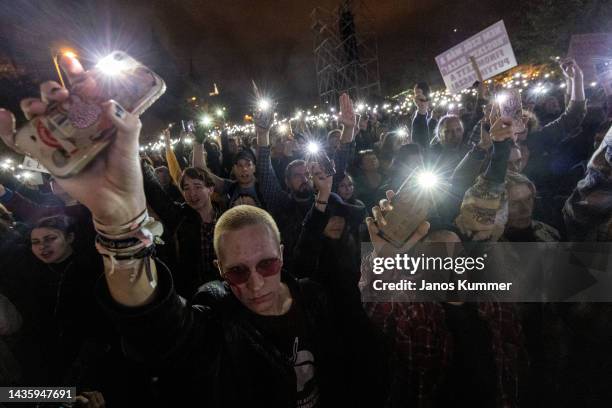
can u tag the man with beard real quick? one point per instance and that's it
(290, 208)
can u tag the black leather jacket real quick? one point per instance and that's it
(215, 357)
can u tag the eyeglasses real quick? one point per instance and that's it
(239, 274)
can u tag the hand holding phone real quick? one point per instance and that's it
(111, 187)
(407, 210)
(382, 245)
(511, 109)
(73, 130)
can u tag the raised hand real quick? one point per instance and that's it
(381, 246)
(322, 182)
(111, 185)
(347, 114)
(501, 130)
(263, 116)
(570, 69)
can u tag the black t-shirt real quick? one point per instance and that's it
(290, 334)
(471, 376)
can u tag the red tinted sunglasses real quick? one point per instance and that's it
(239, 274)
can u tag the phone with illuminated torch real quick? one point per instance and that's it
(316, 153)
(511, 108)
(409, 207)
(72, 133)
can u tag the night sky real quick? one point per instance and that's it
(194, 44)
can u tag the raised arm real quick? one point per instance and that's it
(570, 120)
(111, 186)
(274, 196)
(478, 215)
(342, 156)
(199, 161)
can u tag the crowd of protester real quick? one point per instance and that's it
(251, 296)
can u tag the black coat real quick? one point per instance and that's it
(335, 264)
(215, 357)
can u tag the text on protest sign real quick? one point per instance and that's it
(493, 53)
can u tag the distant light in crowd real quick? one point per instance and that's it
(593, 84)
(282, 128)
(206, 120)
(313, 147)
(427, 179)
(501, 98)
(264, 104)
(219, 112)
(401, 132)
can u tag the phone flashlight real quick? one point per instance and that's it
(112, 64)
(313, 147)
(264, 104)
(427, 180)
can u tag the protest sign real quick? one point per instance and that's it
(489, 50)
(585, 47)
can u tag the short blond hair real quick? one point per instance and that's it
(240, 217)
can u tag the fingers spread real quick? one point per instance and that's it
(390, 194)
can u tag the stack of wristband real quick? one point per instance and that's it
(131, 241)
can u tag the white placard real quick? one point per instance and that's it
(493, 53)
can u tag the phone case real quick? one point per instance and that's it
(72, 133)
(512, 108)
(411, 205)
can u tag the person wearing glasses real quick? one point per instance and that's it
(258, 337)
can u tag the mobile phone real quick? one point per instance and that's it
(511, 108)
(328, 165)
(72, 133)
(410, 207)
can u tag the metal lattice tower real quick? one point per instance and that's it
(345, 60)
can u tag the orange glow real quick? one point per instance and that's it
(69, 53)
